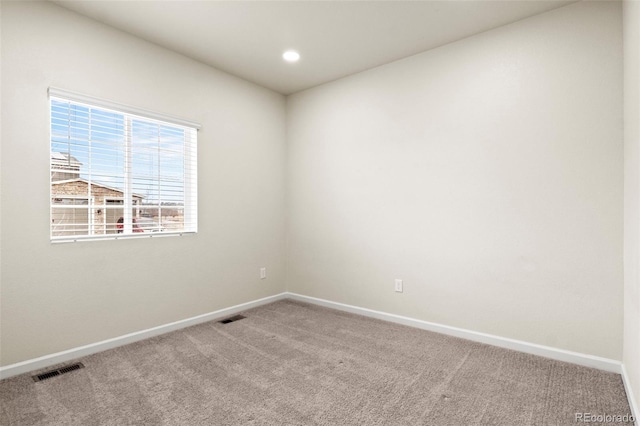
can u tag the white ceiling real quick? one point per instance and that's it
(335, 38)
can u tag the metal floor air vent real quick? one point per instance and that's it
(53, 373)
(231, 319)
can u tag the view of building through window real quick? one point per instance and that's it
(115, 173)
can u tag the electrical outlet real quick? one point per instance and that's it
(398, 286)
(263, 273)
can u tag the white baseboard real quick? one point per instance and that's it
(75, 353)
(518, 345)
(531, 348)
(635, 410)
(503, 342)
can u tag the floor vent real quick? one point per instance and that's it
(59, 371)
(231, 319)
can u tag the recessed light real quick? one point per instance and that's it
(291, 56)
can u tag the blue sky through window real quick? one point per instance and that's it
(97, 139)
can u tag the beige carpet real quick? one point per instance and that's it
(290, 363)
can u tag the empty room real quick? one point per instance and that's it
(319, 212)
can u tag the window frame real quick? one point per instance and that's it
(130, 114)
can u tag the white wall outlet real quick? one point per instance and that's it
(398, 286)
(263, 273)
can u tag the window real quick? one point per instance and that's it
(119, 172)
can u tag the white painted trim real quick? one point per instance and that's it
(118, 107)
(503, 342)
(75, 353)
(635, 410)
(526, 347)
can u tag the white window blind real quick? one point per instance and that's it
(118, 174)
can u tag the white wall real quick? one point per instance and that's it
(631, 355)
(56, 297)
(488, 174)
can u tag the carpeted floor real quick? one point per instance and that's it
(290, 363)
